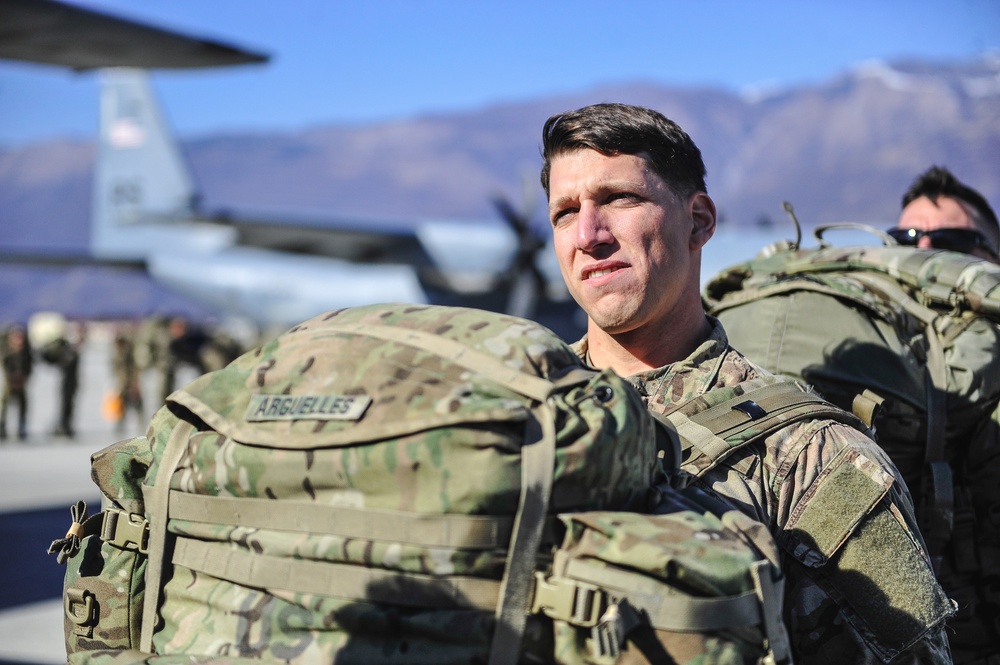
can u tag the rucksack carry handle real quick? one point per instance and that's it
(854, 226)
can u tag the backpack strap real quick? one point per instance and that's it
(537, 469)
(408, 528)
(157, 500)
(937, 515)
(538, 457)
(763, 407)
(348, 581)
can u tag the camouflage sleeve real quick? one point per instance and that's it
(861, 587)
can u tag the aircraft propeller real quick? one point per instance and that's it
(523, 277)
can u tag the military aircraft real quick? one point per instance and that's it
(274, 271)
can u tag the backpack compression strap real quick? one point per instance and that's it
(938, 513)
(156, 499)
(537, 469)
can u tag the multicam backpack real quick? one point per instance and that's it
(908, 339)
(381, 484)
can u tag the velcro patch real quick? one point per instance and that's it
(266, 408)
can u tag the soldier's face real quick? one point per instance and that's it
(923, 214)
(627, 246)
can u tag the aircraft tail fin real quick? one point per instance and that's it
(140, 174)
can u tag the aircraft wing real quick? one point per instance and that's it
(54, 33)
(65, 259)
(359, 241)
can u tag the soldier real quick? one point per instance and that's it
(65, 355)
(128, 375)
(942, 213)
(630, 216)
(16, 371)
(183, 347)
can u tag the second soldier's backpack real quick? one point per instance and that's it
(908, 339)
(382, 484)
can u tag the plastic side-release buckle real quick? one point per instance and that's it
(127, 531)
(616, 624)
(567, 600)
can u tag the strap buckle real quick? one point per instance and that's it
(127, 531)
(567, 600)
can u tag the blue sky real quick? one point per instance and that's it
(362, 62)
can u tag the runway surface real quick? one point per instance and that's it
(39, 479)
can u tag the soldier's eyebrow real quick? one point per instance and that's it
(602, 188)
(561, 202)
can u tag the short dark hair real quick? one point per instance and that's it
(621, 129)
(939, 181)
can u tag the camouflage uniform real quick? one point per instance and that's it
(860, 588)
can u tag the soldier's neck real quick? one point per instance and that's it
(647, 347)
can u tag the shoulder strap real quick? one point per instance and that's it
(710, 435)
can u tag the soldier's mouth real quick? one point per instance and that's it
(599, 272)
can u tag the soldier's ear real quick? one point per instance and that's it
(701, 208)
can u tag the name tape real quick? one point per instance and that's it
(264, 408)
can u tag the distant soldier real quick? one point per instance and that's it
(941, 212)
(219, 350)
(127, 373)
(151, 351)
(16, 371)
(65, 355)
(184, 348)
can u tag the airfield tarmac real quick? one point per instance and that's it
(39, 479)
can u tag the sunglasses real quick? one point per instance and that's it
(954, 240)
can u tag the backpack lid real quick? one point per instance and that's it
(331, 382)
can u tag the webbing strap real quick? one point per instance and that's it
(717, 431)
(347, 581)
(535, 387)
(771, 398)
(537, 474)
(465, 531)
(770, 593)
(742, 296)
(666, 608)
(157, 500)
(937, 519)
(888, 289)
(866, 405)
(537, 470)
